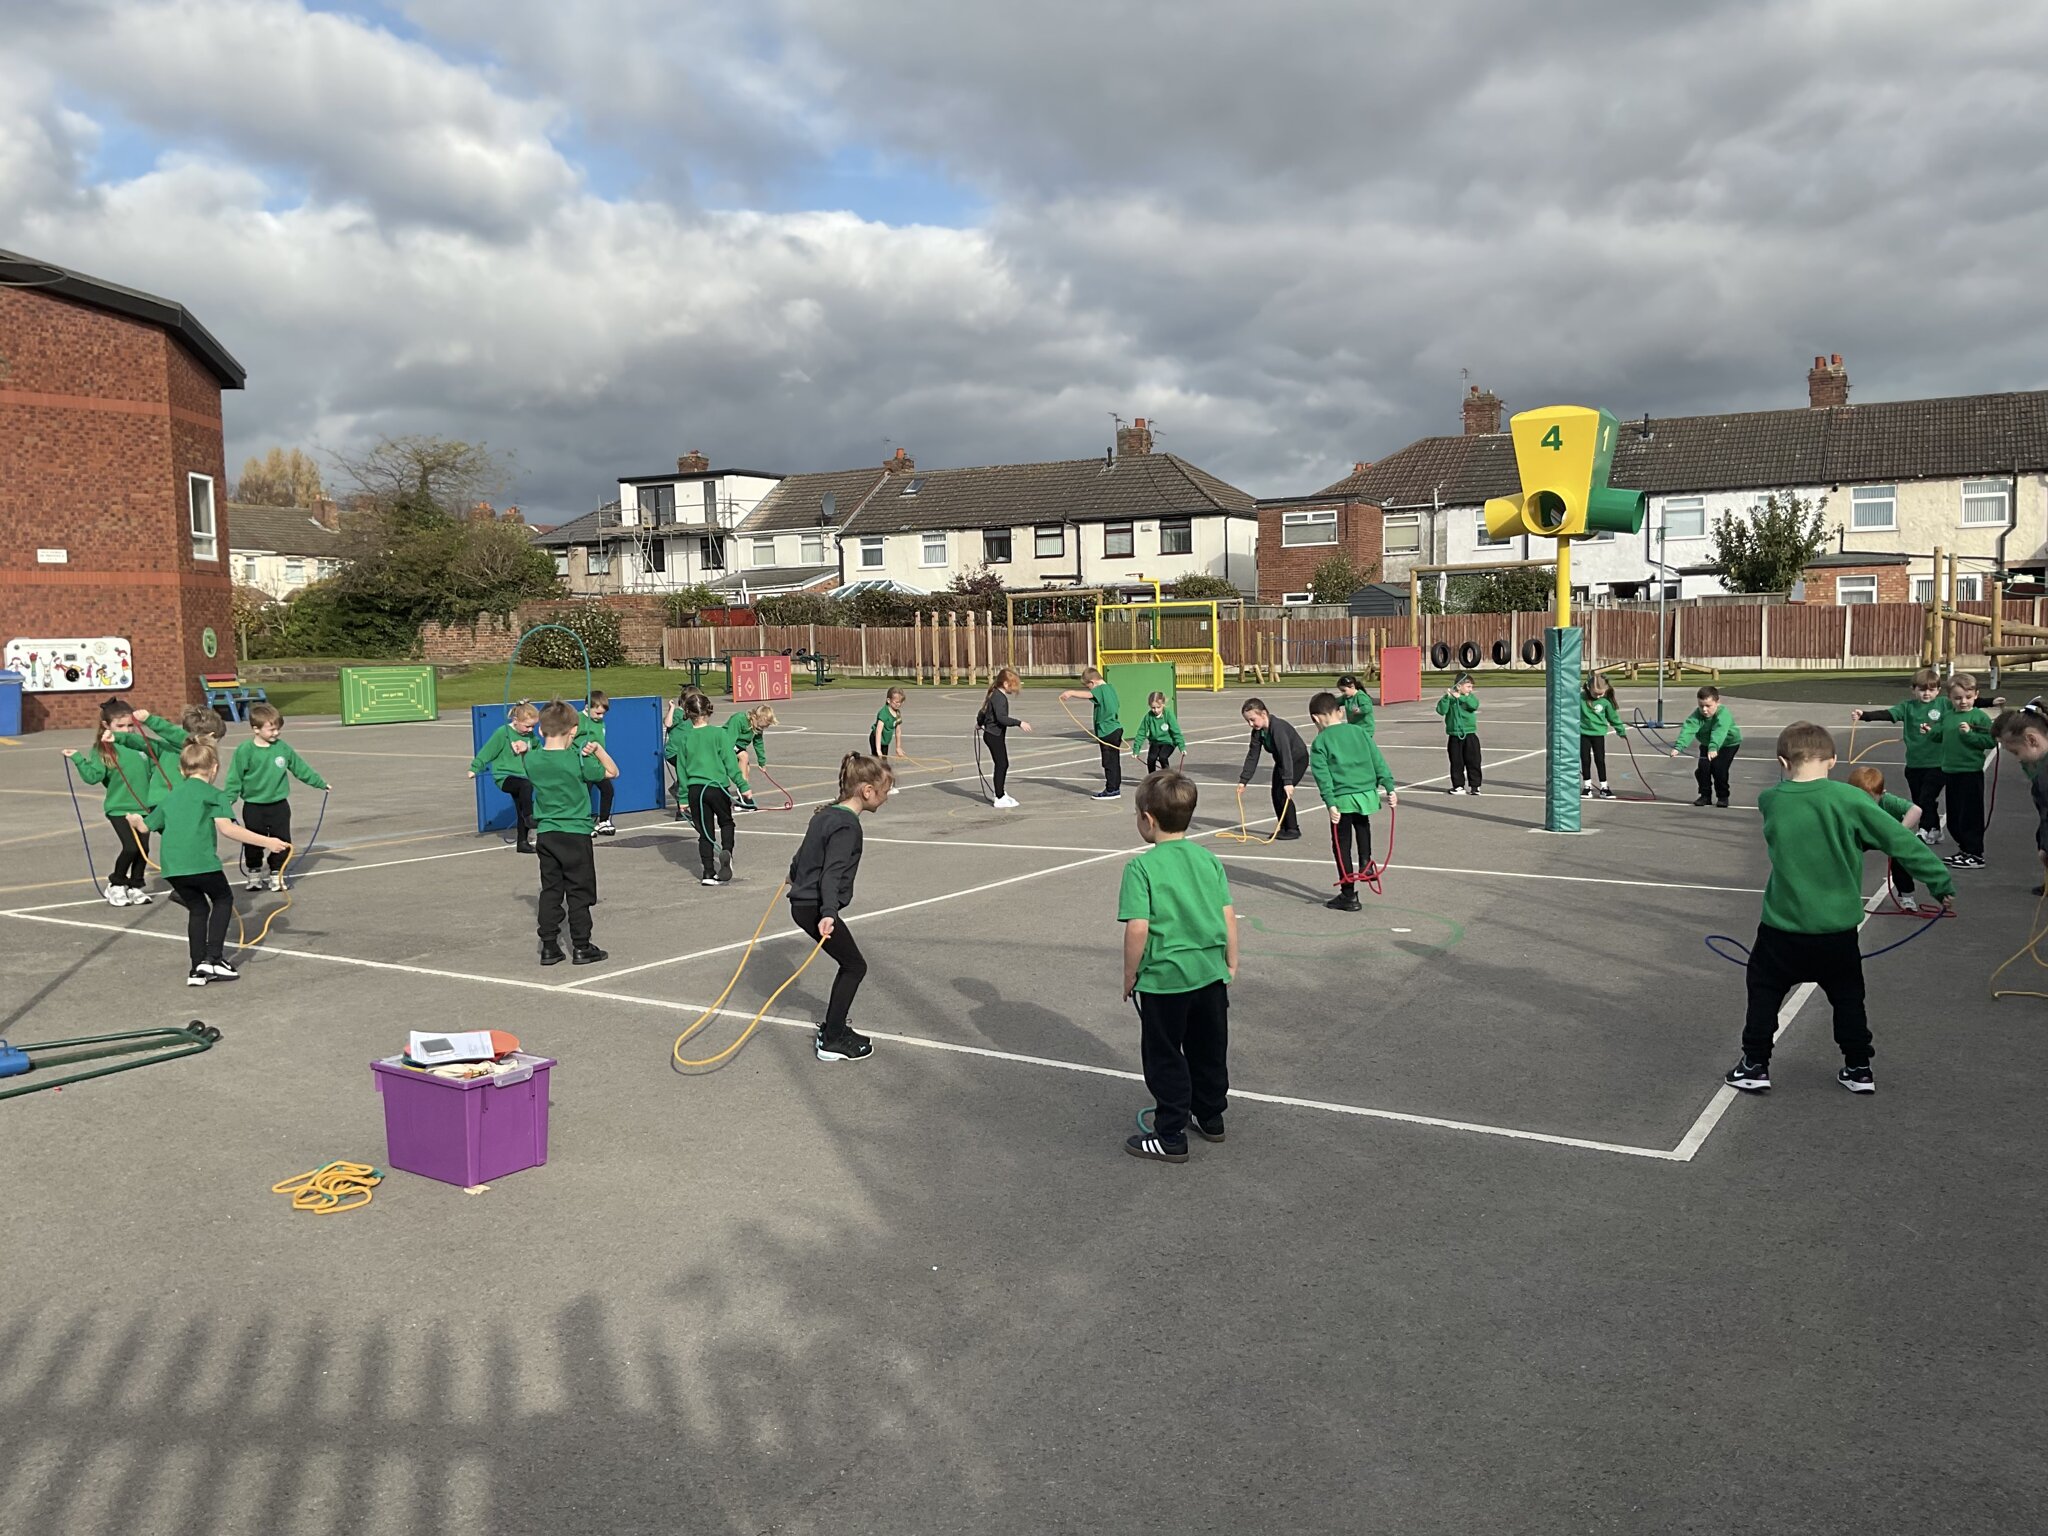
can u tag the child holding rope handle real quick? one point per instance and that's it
(1713, 726)
(1817, 830)
(1107, 729)
(995, 722)
(1597, 716)
(260, 775)
(749, 734)
(1351, 773)
(1924, 706)
(1159, 735)
(1290, 762)
(503, 756)
(136, 780)
(821, 879)
(189, 819)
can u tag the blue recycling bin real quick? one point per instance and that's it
(10, 703)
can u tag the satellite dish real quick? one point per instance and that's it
(827, 507)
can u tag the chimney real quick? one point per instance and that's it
(326, 513)
(513, 515)
(1482, 412)
(693, 463)
(1828, 382)
(1361, 466)
(1133, 440)
(900, 462)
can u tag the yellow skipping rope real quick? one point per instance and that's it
(2030, 950)
(336, 1187)
(709, 1062)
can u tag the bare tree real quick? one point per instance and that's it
(280, 478)
(438, 471)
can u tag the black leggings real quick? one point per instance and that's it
(1925, 786)
(133, 859)
(605, 787)
(1158, 756)
(521, 791)
(1112, 749)
(709, 803)
(1781, 961)
(1593, 755)
(999, 755)
(1352, 831)
(1965, 792)
(209, 902)
(273, 818)
(845, 953)
(1464, 755)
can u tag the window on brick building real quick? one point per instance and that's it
(1850, 590)
(1298, 528)
(1984, 502)
(1119, 541)
(205, 533)
(1176, 536)
(1297, 599)
(1403, 535)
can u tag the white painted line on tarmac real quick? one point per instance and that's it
(1400, 868)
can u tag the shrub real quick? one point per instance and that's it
(597, 627)
(684, 606)
(1204, 588)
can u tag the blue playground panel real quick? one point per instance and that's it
(633, 736)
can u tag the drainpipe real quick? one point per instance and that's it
(2012, 521)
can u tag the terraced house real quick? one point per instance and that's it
(1897, 480)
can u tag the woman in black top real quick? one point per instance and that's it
(995, 720)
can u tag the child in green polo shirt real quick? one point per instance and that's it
(1966, 738)
(1924, 706)
(503, 755)
(190, 818)
(748, 733)
(561, 774)
(1107, 729)
(1713, 726)
(260, 775)
(1180, 956)
(1817, 830)
(887, 727)
(136, 778)
(1158, 735)
(705, 766)
(1351, 773)
(1597, 716)
(1357, 704)
(589, 729)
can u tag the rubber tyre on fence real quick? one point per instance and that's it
(1439, 656)
(1532, 653)
(1502, 655)
(1468, 655)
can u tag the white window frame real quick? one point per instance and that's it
(1687, 507)
(1128, 533)
(1057, 533)
(1969, 589)
(1184, 526)
(1921, 589)
(988, 554)
(326, 570)
(712, 555)
(1983, 492)
(1873, 497)
(1485, 539)
(927, 542)
(813, 550)
(1412, 521)
(562, 562)
(871, 554)
(1855, 591)
(203, 518)
(1311, 525)
(759, 544)
(1296, 599)
(295, 570)
(597, 560)
(250, 566)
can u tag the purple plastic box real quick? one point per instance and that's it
(465, 1132)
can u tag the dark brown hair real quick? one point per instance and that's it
(559, 719)
(1169, 799)
(1804, 742)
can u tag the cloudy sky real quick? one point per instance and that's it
(797, 233)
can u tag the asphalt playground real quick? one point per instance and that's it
(1489, 1248)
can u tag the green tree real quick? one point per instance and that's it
(1766, 551)
(978, 589)
(686, 603)
(1201, 588)
(1338, 577)
(1527, 590)
(280, 478)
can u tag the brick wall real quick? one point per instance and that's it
(101, 419)
(1893, 582)
(1283, 569)
(490, 639)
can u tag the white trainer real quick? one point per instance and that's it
(1005, 802)
(117, 895)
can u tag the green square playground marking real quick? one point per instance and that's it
(387, 695)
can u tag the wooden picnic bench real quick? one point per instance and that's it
(230, 695)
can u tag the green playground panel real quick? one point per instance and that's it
(387, 695)
(1135, 682)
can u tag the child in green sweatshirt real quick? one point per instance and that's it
(1357, 704)
(748, 733)
(1460, 708)
(706, 766)
(136, 778)
(1966, 738)
(1598, 715)
(1159, 735)
(260, 775)
(1351, 774)
(1817, 830)
(503, 756)
(591, 728)
(1719, 737)
(1924, 706)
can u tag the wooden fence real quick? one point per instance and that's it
(1737, 637)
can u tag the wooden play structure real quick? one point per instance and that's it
(1950, 631)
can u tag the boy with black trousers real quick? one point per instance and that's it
(1460, 708)
(258, 777)
(1290, 762)
(1107, 729)
(1966, 738)
(190, 818)
(592, 729)
(1352, 774)
(1180, 956)
(561, 773)
(1924, 706)
(1817, 830)
(1719, 737)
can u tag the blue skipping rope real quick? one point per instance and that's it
(317, 823)
(1716, 939)
(1641, 722)
(71, 785)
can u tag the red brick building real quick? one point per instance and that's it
(113, 485)
(1298, 533)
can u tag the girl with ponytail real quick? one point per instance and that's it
(995, 722)
(821, 889)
